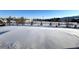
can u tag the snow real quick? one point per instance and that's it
(25, 37)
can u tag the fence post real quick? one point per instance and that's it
(75, 26)
(31, 23)
(41, 23)
(50, 24)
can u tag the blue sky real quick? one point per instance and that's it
(39, 13)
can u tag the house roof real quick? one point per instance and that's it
(1, 21)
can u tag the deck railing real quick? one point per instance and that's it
(48, 24)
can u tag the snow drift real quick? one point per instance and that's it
(38, 38)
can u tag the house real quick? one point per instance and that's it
(2, 23)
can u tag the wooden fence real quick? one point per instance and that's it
(48, 24)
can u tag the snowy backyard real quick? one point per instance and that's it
(25, 37)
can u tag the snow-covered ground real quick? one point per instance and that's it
(38, 37)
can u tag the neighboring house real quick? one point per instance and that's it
(28, 20)
(2, 23)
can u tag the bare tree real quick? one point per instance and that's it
(9, 20)
(20, 21)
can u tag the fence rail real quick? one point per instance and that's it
(49, 24)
